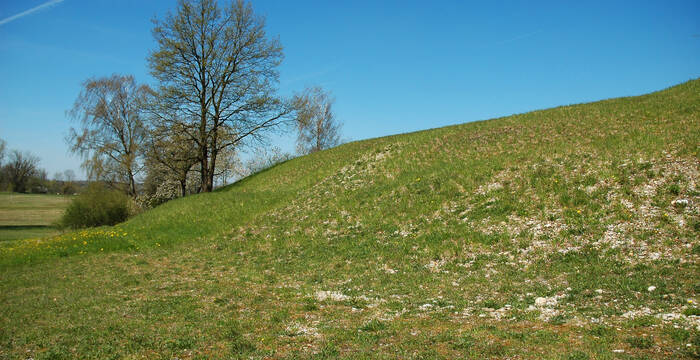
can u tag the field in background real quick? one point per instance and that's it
(24, 216)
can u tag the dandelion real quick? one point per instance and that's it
(578, 211)
(84, 242)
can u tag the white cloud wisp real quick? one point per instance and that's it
(30, 11)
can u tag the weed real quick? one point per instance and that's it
(640, 342)
(373, 325)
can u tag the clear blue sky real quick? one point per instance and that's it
(393, 66)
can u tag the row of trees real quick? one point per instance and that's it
(20, 172)
(215, 97)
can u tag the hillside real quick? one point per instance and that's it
(566, 233)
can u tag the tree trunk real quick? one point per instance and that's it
(132, 185)
(204, 153)
(183, 187)
(212, 169)
(205, 173)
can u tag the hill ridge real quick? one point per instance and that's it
(569, 232)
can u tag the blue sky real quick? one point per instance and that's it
(393, 66)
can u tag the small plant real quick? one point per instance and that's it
(640, 342)
(674, 189)
(693, 350)
(464, 342)
(678, 334)
(238, 344)
(310, 305)
(373, 325)
(97, 206)
(558, 320)
(492, 304)
(644, 321)
(577, 355)
(691, 312)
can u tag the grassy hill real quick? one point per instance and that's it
(567, 233)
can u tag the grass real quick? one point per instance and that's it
(537, 235)
(24, 216)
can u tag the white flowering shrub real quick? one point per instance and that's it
(165, 192)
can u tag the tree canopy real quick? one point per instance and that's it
(112, 133)
(317, 126)
(217, 70)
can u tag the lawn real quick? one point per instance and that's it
(24, 216)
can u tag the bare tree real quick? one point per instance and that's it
(2, 151)
(263, 158)
(229, 167)
(217, 67)
(69, 175)
(318, 128)
(112, 133)
(19, 170)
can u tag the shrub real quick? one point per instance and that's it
(166, 191)
(96, 207)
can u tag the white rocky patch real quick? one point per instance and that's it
(426, 307)
(297, 329)
(546, 306)
(680, 203)
(434, 265)
(331, 295)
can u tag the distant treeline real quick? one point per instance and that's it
(20, 172)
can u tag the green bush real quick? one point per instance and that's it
(96, 207)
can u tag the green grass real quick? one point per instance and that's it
(531, 236)
(21, 232)
(24, 216)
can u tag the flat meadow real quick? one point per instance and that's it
(24, 216)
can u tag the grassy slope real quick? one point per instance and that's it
(535, 235)
(25, 216)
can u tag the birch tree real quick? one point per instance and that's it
(111, 135)
(318, 129)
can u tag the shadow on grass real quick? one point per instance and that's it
(27, 227)
(15, 232)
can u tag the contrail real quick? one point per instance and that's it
(30, 11)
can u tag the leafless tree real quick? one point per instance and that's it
(2, 151)
(317, 126)
(20, 168)
(112, 132)
(218, 69)
(69, 175)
